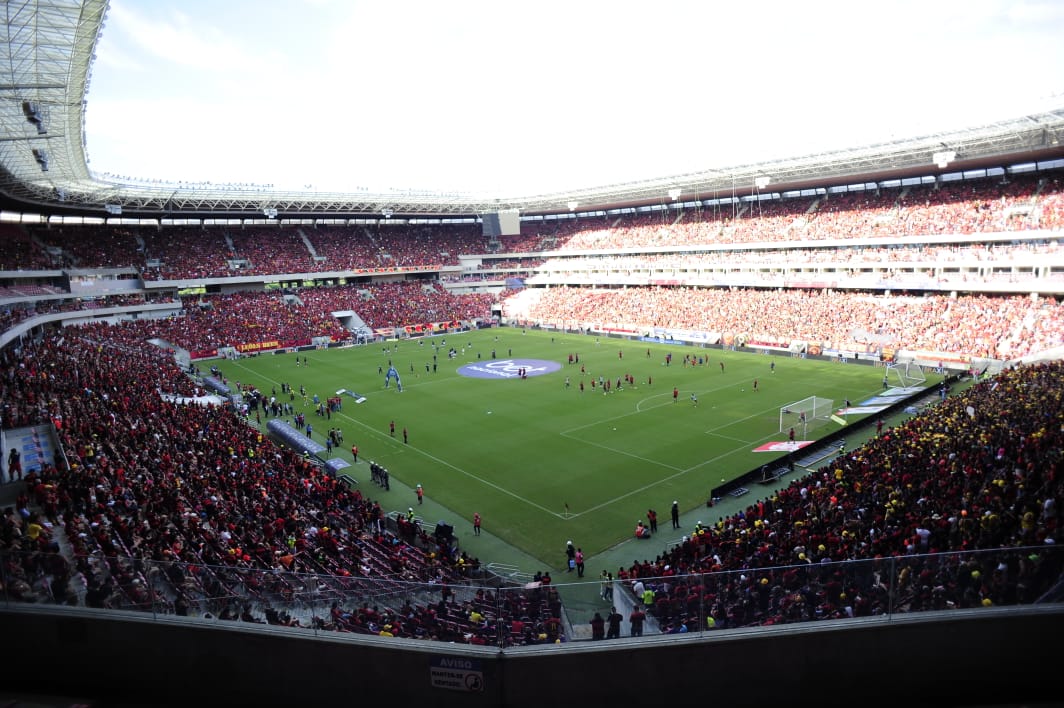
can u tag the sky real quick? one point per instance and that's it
(515, 99)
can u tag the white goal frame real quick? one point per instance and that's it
(909, 373)
(807, 412)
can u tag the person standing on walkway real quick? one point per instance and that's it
(675, 514)
(598, 627)
(14, 465)
(637, 618)
(579, 558)
(420, 494)
(570, 557)
(476, 523)
(613, 622)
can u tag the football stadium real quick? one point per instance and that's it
(794, 440)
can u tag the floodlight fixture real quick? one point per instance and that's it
(33, 115)
(675, 193)
(573, 205)
(113, 209)
(41, 156)
(270, 212)
(387, 213)
(762, 181)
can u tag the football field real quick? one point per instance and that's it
(541, 460)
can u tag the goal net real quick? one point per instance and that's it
(806, 413)
(909, 374)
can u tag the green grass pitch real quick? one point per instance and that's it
(543, 462)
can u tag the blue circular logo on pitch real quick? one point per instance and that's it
(509, 368)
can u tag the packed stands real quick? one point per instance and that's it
(397, 304)
(183, 508)
(974, 325)
(344, 248)
(271, 250)
(18, 312)
(185, 253)
(18, 251)
(852, 539)
(898, 214)
(24, 290)
(94, 246)
(188, 510)
(215, 321)
(154, 513)
(394, 246)
(408, 246)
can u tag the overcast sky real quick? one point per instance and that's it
(517, 99)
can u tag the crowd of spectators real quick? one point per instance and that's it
(1000, 327)
(212, 321)
(1051, 214)
(989, 205)
(393, 245)
(13, 313)
(271, 250)
(24, 290)
(417, 246)
(408, 303)
(979, 472)
(18, 251)
(345, 248)
(185, 508)
(398, 304)
(93, 246)
(184, 252)
(923, 255)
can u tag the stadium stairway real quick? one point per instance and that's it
(35, 443)
(308, 244)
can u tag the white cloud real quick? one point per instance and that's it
(519, 98)
(178, 40)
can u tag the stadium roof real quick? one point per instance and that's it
(45, 68)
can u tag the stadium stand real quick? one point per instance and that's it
(18, 251)
(173, 509)
(976, 325)
(931, 485)
(150, 513)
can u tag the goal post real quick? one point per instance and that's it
(908, 374)
(806, 413)
(914, 374)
